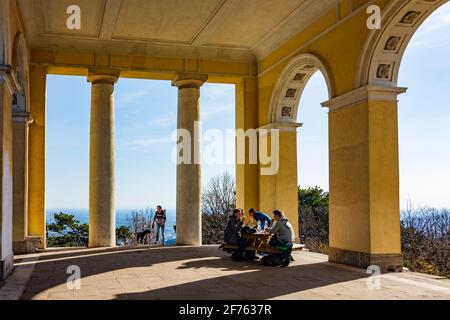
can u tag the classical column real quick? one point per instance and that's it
(21, 243)
(364, 209)
(8, 86)
(37, 157)
(189, 225)
(102, 215)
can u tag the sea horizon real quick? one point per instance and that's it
(82, 215)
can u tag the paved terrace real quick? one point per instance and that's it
(203, 273)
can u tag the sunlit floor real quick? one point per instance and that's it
(203, 273)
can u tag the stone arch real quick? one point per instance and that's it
(5, 38)
(289, 88)
(383, 51)
(21, 69)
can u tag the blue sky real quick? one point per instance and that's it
(146, 118)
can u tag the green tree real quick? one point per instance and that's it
(313, 218)
(71, 233)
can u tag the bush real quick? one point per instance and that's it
(425, 240)
(139, 220)
(313, 219)
(218, 203)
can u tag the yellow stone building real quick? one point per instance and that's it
(268, 49)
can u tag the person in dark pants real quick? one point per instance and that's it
(231, 234)
(283, 236)
(160, 218)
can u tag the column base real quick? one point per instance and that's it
(29, 245)
(386, 262)
(6, 267)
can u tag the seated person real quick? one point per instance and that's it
(261, 217)
(231, 234)
(283, 236)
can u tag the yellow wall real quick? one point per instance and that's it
(384, 177)
(279, 192)
(247, 184)
(349, 178)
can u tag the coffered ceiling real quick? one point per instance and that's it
(223, 29)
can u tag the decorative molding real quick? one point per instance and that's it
(7, 75)
(189, 80)
(289, 88)
(367, 93)
(383, 51)
(103, 76)
(23, 117)
(281, 126)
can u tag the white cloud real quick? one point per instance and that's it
(440, 21)
(164, 121)
(130, 98)
(217, 91)
(434, 32)
(146, 142)
(214, 110)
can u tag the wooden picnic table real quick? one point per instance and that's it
(259, 241)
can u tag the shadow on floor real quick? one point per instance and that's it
(256, 282)
(247, 280)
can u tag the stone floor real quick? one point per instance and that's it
(204, 273)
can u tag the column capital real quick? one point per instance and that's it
(366, 93)
(189, 80)
(23, 117)
(103, 76)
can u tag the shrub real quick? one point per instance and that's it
(218, 203)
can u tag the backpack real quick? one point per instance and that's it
(271, 260)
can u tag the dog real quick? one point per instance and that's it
(141, 236)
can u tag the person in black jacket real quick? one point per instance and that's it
(160, 218)
(231, 234)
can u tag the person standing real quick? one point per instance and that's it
(160, 218)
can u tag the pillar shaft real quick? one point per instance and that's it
(364, 179)
(6, 178)
(21, 123)
(189, 224)
(37, 150)
(102, 216)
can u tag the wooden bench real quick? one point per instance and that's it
(232, 247)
